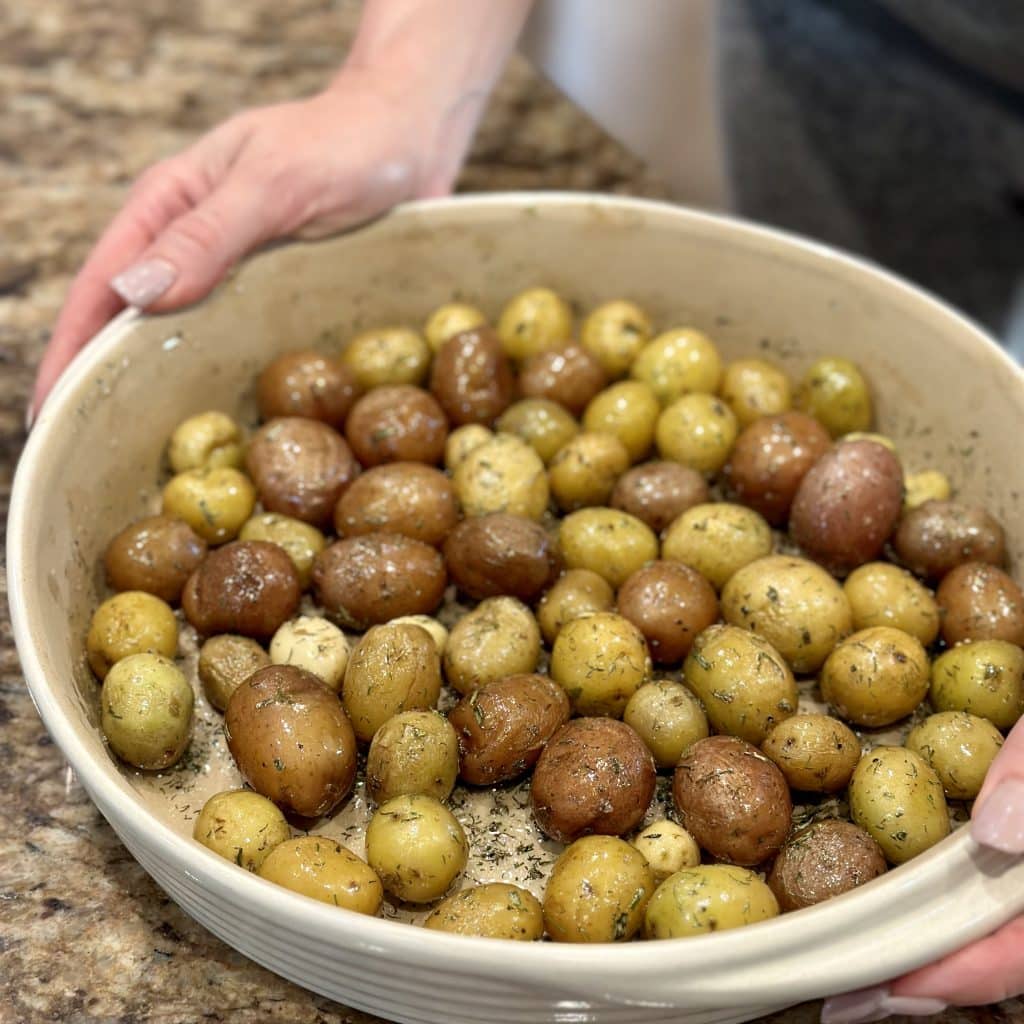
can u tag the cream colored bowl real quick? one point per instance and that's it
(944, 391)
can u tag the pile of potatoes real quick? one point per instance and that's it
(641, 558)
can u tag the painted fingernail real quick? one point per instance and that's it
(30, 416)
(871, 1004)
(999, 822)
(143, 283)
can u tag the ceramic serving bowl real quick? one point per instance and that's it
(944, 391)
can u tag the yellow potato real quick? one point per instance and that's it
(207, 440)
(667, 847)
(132, 622)
(816, 753)
(753, 388)
(498, 638)
(215, 501)
(462, 441)
(534, 321)
(225, 662)
(627, 410)
(450, 319)
(668, 718)
(611, 543)
(928, 485)
(575, 593)
(835, 393)
(300, 540)
(678, 362)
(414, 752)
(502, 475)
(494, 910)
(312, 643)
(985, 678)
(387, 357)
(882, 594)
(544, 425)
(241, 826)
(584, 472)
(614, 333)
(959, 747)
(697, 430)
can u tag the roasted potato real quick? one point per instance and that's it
(312, 643)
(985, 678)
(677, 362)
(936, 537)
(697, 430)
(301, 541)
(132, 622)
(462, 441)
(450, 319)
(584, 472)
(927, 485)
(503, 475)
(568, 375)
(438, 633)
(959, 747)
(205, 441)
(472, 379)
(225, 662)
(413, 752)
(816, 753)
(835, 393)
(399, 424)
(156, 554)
(213, 501)
(614, 333)
(668, 718)
(658, 493)
(309, 384)
(612, 544)
(627, 410)
(543, 424)
(387, 357)
(494, 910)
(534, 321)
(667, 847)
(242, 826)
(753, 388)
(574, 594)
(882, 594)
(977, 601)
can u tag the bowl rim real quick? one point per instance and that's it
(631, 972)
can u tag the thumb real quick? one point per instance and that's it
(194, 252)
(998, 818)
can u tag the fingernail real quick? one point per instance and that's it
(871, 1004)
(999, 822)
(144, 283)
(30, 416)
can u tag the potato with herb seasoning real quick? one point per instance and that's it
(927, 485)
(677, 362)
(312, 643)
(876, 676)
(627, 410)
(575, 593)
(450, 319)
(387, 357)
(242, 826)
(156, 554)
(568, 375)
(498, 638)
(667, 847)
(214, 501)
(600, 660)
(225, 662)
(597, 892)
(413, 752)
(544, 425)
(612, 544)
(794, 604)
(882, 594)
(835, 393)
(472, 378)
(668, 718)
(417, 847)
(959, 747)
(307, 383)
(399, 424)
(977, 601)
(985, 678)
(391, 669)
(897, 798)
(494, 910)
(717, 539)
(462, 441)
(324, 870)
(658, 493)
(745, 685)
(206, 440)
(503, 475)
(753, 388)
(132, 622)
(707, 898)
(534, 321)
(438, 633)
(584, 472)
(698, 431)
(301, 541)
(816, 753)
(614, 333)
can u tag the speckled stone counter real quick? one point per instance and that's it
(93, 91)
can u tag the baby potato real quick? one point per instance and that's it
(324, 870)
(392, 669)
(241, 826)
(678, 362)
(959, 747)
(387, 357)
(583, 473)
(600, 660)
(875, 677)
(132, 622)
(977, 601)
(534, 321)
(214, 501)
(301, 542)
(658, 493)
(836, 394)
(450, 319)
(669, 603)
(400, 424)
(156, 554)
(367, 580)
(309, 384)
(248, 587)
(770, 459)
(794, 604)
(597, 892)
(627, 410)
(574, 594)
(753, 388)
(897, 798)
(667, 847)
(498, 638)
(503, 475)
(413, 752)
(928, 485)
(594, 776)
(146, 711)
(697, 430)
(204, 441)
(868, 435)
(882, 594)
(933, 539)
(568, 375)
(503, 726)
(472, 378)
(717, 539)
(462, 441)
(614, 333)
(544, 425)
(225, 662)
(417, 847)
(612, 544)
(501, 554)
(400, 497)
(494, 910)
(848, 505)
(668, 718)
(732, 799)
(300, 468)
(816, 753)
(291, 740)
(437, 632)
(985, 678)
(707, 898)
(314, 644)
(745, 685)
(824, 860)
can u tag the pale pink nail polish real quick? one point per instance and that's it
(144, 283)
(999, 822)
(30, 416)
(872, 1004)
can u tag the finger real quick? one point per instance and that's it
(998, 815)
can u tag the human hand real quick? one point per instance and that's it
(986, 971)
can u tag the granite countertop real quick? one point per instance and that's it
(92, 92)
